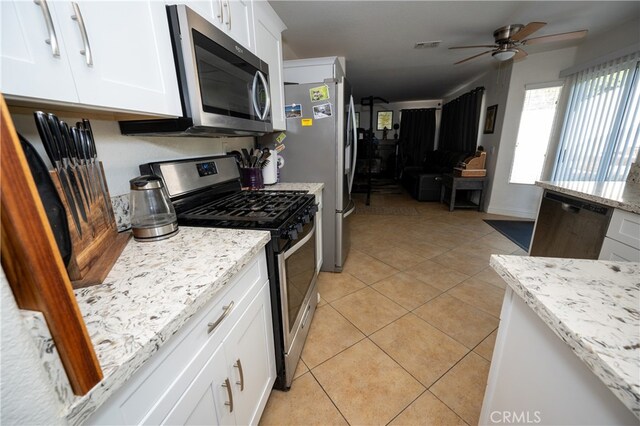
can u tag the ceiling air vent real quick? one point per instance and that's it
(427, 44)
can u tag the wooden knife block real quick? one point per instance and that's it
(94, 252)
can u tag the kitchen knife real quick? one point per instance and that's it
(84, 159)
(94, 153)
(75, 163)
(54, 125)
(54, 155)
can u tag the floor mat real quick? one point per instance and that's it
(518, 231)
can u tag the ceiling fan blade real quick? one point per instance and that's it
(556, 37)
(520, 54)
(473, 57)
(528, 29)
(480, 45)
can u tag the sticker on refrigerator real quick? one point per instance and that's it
(322, 111)
(280, 148)
(306, 122)
(281, 137)
(293, 111)
(320, 93)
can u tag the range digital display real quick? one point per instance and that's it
(207, 169)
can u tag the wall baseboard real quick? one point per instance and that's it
(524, 214)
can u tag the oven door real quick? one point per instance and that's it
(298, 274)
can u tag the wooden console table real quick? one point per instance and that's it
(451, 184)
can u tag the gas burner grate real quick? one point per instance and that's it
(249, 206)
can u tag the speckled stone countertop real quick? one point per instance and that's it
(151, 292)
(593, 306)
(621, 195)
(312, 188)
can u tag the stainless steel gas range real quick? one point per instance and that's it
(207, 192)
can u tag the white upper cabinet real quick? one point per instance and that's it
(33, 57)
(268, 41)
(234, 17)
(113, 55)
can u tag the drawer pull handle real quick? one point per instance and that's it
(238, 365)
(229, 403)
(212, 325)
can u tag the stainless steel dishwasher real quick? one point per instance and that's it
(569, 227)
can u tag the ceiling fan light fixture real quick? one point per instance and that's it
(504, 55)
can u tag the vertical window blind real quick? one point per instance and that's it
(601, 131)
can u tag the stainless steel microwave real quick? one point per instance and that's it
(224, 88)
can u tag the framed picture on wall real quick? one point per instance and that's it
(490, 119)
(385, 119)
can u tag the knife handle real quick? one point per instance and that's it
(66, 136)
(45, 135)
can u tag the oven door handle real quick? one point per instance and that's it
(300, 243)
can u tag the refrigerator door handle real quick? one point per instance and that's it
(355, 143)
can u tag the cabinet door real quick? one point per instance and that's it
(238, 21)
(29, 67)
(268, 35)
(250, 354)
(127, 62)
(208, 400)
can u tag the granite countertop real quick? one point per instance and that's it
(312, 188)
(593, 306)
(151, 292)
(621, 195)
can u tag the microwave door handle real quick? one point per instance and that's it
(254, 95)
(267, 106)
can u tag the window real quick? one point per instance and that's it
(536, 122)
(600, 135)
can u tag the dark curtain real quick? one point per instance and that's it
(417, 135)
(459, 122)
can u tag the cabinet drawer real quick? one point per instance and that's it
(154, 389)
(625, 227)
(616, 251)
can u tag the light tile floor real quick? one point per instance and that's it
(404, 335)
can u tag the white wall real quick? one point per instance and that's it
(121, 155)
(496, 85)
(518, 199)
(27, 396)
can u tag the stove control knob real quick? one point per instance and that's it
(293, 234)
(305, 218)
(299, 227)
(313, 209)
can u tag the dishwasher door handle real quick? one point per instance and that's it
(569, 208)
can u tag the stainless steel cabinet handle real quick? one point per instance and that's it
(212, 325)
(77, 16)
(53, 38)
(238, 365)
(220, 11)
(228, 6)
(229, 403)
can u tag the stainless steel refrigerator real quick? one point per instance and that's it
(320, 147)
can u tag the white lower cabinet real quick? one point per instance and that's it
(218, 369)
(622, 242)
(234, 384)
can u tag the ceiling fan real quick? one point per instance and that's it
(510, 39)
